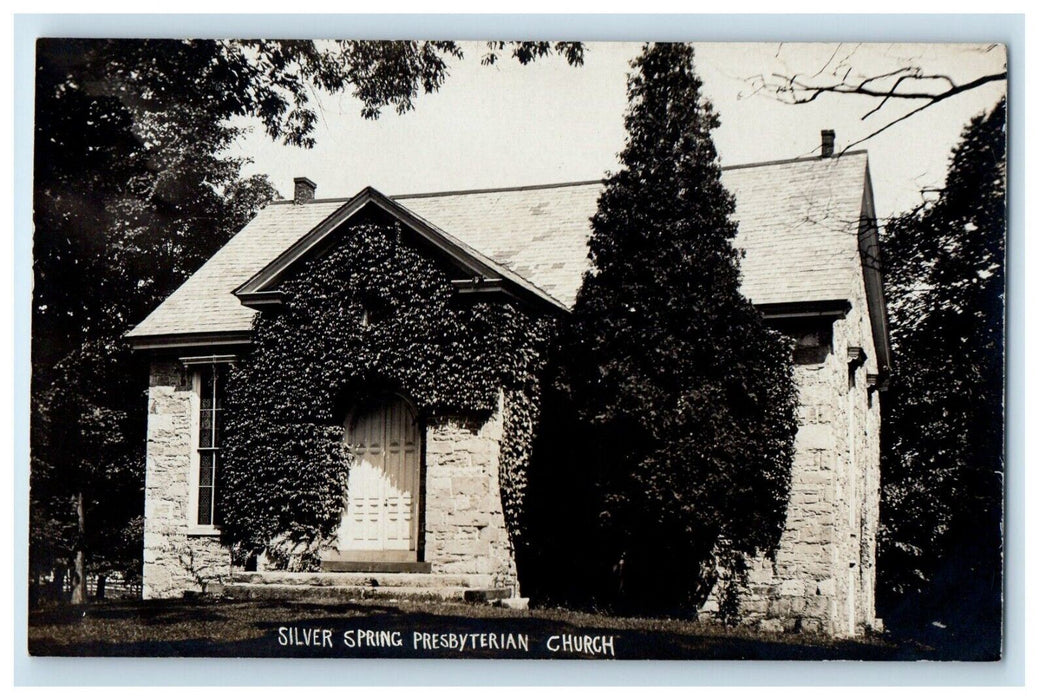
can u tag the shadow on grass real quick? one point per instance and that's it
(210, 627)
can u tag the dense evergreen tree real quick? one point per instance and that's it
(669, 420)
(942, 473)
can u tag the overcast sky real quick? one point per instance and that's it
(511, 125)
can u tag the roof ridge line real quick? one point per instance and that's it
(318, 200)
(786, 161)
(489, 190)
(573, 183)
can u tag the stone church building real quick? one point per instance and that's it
(424, 505)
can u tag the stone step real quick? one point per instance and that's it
(380, 567)
(345, 593)
(361, 579)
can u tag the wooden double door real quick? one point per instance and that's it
(381, 516)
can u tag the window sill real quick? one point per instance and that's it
(202, 531)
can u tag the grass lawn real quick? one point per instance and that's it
(212, 627)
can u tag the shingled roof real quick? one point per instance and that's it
(797, 221)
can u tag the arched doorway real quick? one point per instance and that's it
(381, 516)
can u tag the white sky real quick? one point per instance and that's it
(510, 125)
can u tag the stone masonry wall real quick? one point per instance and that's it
(465, 529)
(174, 559)
(863, 523)
(464, 521)
(799, 586)
(823, 577)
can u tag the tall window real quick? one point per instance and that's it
(212, 384)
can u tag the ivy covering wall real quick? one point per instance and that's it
(374, 313)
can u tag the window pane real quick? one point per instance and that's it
(211, 386)
(204, 512)
(219, 385)
(206, 426)
(214, 489)
(206, 469)
(206, 386)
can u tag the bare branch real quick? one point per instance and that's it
(907, 83)
(886, 99)
(829, 61)
(795, 90)
(888, 125)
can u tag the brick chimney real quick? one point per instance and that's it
(304, 190)
(827, 143)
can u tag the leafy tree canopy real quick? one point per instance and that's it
(943, 417)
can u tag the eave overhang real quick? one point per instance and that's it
(871, 256)
(479, 285)
(183, 341)
(827, 308)
(830, 309)
(261, 300)
(212, 359)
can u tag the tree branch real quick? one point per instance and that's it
(907, 83)
(792, 89)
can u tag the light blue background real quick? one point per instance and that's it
(1008, 29)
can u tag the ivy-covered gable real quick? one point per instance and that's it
(373, 312)
(475, 272)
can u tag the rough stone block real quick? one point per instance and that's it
(467, 547)
(755, 607)
(816, 607)
(771, 625)
(471, 485)
(826, 587)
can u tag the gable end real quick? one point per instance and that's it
(482, 275)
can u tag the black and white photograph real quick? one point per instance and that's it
(433, 349)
